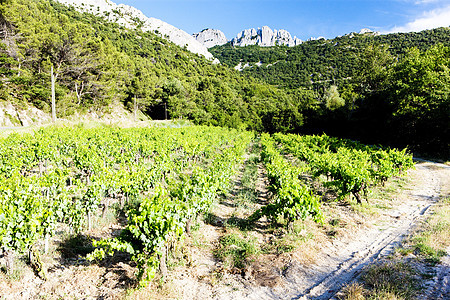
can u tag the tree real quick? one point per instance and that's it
(332, 99)
(373, 69)
(420, 97)
(170, 87)
(421, 83)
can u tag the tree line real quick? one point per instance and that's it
(99, 63)
(379, 89)
(376, 88)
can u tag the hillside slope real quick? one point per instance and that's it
(100, 63)
(319, 62)
(131, 17)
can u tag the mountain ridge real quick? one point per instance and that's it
(264, 37)
(131, 17)
(211, 37)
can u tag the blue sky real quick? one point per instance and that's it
(302, 18)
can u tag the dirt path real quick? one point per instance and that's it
(342, 260)
(440, 287)
(344, 265)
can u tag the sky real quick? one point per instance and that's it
(302, 18)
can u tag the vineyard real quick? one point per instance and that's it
(162, 180)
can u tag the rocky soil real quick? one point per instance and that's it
(316, 271)
(340, 260)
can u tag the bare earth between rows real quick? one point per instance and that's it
(341, 260)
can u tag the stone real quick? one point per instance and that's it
(211, 37)
(316, 39)
(265, 37)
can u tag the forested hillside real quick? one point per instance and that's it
(378, 88)
(98, 63)
(390, 89)
(319, 62)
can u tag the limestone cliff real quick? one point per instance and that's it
(211, 37)
(131, 17)
(265, 37)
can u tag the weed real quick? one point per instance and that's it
(335, 222)
(430, 254)
(396, 278)
(234, 250)
(248, 194)
(110, 216)
(287, 241)
(404, 251)
(384, 295)
(17, 272)
(354, 291)
(364, 209)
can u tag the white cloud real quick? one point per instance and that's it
(426, 1)
(431, 19)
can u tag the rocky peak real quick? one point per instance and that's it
(315, 38)
(364, 31)
(131, 17)
(265, 37)
(368, 31)
(210, 37)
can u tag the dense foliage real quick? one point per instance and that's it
(70, 175)
(389, 89)
(319, 62)
(377, 88)
(99, 63)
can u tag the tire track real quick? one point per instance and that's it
(441, 285)
(342, 261)
(423, 196)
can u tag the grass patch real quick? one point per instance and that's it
(384, 281)
(394, 278)
(364, 208)
(433, 237)
(354, 291)
(250, 175)
(291, 240)
(235, 250)
(247, 194)
(430, 254)
(303, 235)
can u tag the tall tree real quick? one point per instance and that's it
(420, 95)
(332, 98)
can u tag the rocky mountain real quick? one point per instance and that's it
(211, 37)
(265, 37)
(368, 31)
(131, 17)
(315, 38)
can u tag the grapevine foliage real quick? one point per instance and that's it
(68, 175)
(293, 199)
(350, 166)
